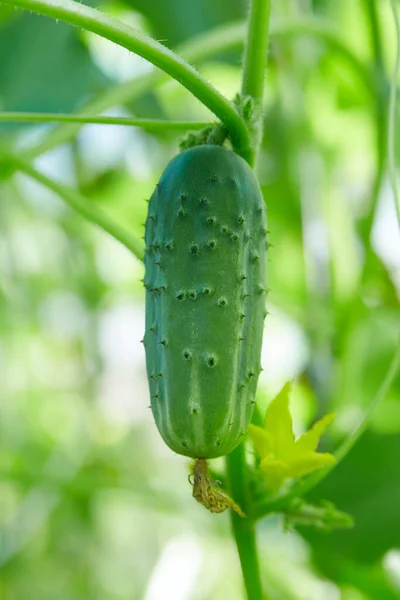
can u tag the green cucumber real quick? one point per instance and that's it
(205, 279)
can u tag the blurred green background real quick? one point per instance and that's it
(92, 504)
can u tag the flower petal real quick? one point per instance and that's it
(275, 470)
(261, 440)
(309, 462)
(308, 442)
(279, 424)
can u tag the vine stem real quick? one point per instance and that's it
(392, 115)
(380, 88)
(201, 48)
(255, 62)
(79, 205)
(114, 30)
(243, 529)
(254, 65)
(150, 124)
(255, 54)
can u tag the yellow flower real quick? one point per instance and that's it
(282, 456)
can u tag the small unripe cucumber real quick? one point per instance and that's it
(205, 285)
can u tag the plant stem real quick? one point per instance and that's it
(115, 96)
(333, 39)
(392, 116)
(80, 205)
(93, 20)
(302, 487)
(255, 53)
(196, 50)
(375, 32)
(255, 62)
(380, 101)
(243, 529)
(149, 124)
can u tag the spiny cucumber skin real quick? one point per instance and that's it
(205, 279)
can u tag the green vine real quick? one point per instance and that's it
(392, 116)
(380, 103)
(244, 529)
(148, 124)
(92, 20)
(78, 203)
(197, 50)
(254, 64)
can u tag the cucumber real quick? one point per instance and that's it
(205, 279)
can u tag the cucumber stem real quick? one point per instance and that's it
(244, 529)
(254, 64)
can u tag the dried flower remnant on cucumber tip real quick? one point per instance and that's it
(206, 491)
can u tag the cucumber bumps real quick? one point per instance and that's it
(205, 285)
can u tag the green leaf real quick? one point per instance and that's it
(366, 485)
(52, 74)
